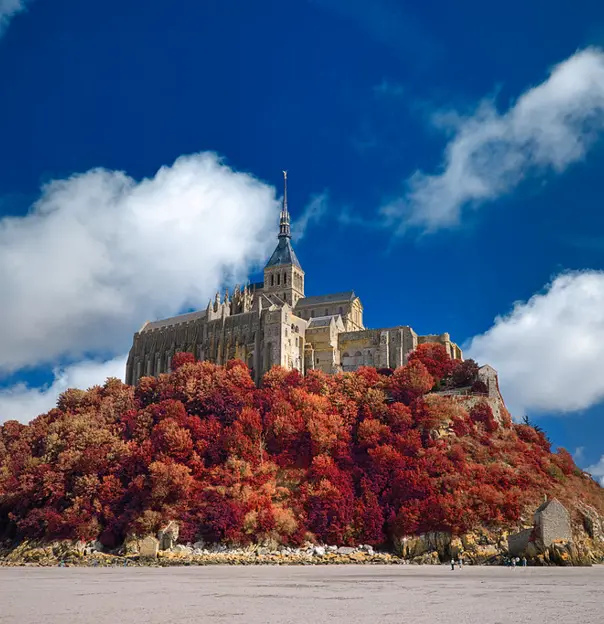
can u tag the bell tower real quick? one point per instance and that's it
(283, 275)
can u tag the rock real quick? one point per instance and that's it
(149, 547)
(131, 545)
(168, 536)
(331, 548)
(346, 550)
(319, 551)
(180, 549)
(200, 544)
(431, 558)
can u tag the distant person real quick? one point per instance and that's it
(513, 562)
(460, 562)
(524, 562)
(452, 564)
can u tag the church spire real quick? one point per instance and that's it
(284, 229)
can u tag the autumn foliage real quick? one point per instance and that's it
(352, 458)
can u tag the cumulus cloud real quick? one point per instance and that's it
(8, 9)
(21, 402)
(549, 350)
(597, 470)
(100, 253)
(548, 128)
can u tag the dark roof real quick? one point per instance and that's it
(174, 320)
(547, 503)
(256, 286)
(283, 254)
(319, 299)
(320, 321)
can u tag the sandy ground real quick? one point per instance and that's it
(308, 595)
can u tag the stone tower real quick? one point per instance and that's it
(283, 275)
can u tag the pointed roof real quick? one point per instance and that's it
(284, 253)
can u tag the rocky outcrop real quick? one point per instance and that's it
(168, 536)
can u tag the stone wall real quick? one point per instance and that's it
(518, 542)
(552, 523)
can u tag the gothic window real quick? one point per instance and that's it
(285, 278)
(326, 311)
(278, 279)
(272, 280)
(312, 314)
(341, 311)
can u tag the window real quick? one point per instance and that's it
(341, 311)
(272, 280)
(326, 311)
(285, 278)
(312, 314)
(278, 279)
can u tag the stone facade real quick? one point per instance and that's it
(552, 523)
(274, 323)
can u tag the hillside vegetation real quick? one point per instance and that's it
(364, 457)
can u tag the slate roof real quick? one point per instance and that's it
(174, 320)
(319, 321)
(284, 254)
(319, 299)
(547, 503)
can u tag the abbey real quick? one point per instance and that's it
(274, 323)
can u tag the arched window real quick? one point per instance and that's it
(278, 279)
(272, 280)
(341, 311)
(285, 278)
(312, 314)
(326, 311)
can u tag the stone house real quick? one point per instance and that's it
(551, 523)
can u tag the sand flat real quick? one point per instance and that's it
(308, 595)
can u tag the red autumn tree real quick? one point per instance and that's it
(435, 358)
(410, 382)
(349, 458)
(180, 359)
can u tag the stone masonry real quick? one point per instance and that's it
(273, 323)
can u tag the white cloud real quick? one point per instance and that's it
(8, 9)
(597, 470)
(549, 127)
(549, 350)
(313, 212)
(21, 402)
(100, 253)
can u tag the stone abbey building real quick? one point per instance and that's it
(274, 322)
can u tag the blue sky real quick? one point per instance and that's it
(444, 162)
